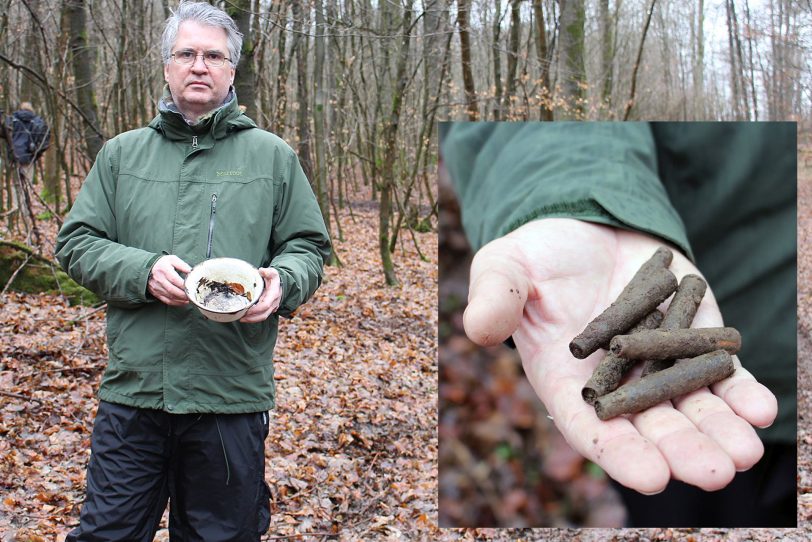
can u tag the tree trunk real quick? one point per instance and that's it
(390, 136)
(607, 53)
(513, 54)
(280, 108)
(497, 62)
(630, 103)
(29, 92)
(699, 62)
(301, 92)
(571, 61)
(546, 112)
(463, 16)
(319, 114)
(740, 62)
(750, 59)
(245, 83)
(84, 72)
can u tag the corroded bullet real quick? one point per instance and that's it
(679, 315)
(607, 375)
(650, 286)
(678, 343)
(685, 377)
(660, 260)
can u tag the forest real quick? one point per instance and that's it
(357, 86)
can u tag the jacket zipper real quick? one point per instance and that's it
(194, 142)
(211, 224)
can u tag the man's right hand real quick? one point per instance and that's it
(541, 284)
(165, 283)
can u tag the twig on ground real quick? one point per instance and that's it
(14, 275)
(18, 396)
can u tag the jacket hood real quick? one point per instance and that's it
(219, 123)
(24, 115)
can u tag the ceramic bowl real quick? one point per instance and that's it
(223, 289)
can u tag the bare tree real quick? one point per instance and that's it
(84, 73)
(245, 81)
(571, 64)
(463, 15)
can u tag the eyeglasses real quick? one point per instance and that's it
(212, 59)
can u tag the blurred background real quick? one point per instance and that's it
(502, 461)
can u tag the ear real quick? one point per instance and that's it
(166, 72)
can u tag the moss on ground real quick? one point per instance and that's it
(39, 275)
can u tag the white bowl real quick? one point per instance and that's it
(223, 306)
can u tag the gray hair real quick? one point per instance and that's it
(205, 14)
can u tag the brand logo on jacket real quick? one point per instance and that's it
(230, 173)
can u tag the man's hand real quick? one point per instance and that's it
(542, 284)
(268, 301)
(165, 283)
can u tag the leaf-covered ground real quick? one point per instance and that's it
(352, 452)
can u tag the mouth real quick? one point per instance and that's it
(197, 84)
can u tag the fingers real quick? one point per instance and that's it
(711, 415)
(497, 293)
(615, 445)
(165, 283)
(747, 397)
(269, 301)
(692, 456)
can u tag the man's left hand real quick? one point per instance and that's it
(270, 299)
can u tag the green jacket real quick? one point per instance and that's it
(151, 192)
(725, 193)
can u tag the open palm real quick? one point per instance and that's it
(542, 284)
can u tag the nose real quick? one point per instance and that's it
(198, 65)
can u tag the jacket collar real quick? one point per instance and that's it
(219, 122)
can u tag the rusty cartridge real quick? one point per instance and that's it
(610, 370)
(660, 260)
(679, 315)
(678, 343)
(650, 286)
(685, 377)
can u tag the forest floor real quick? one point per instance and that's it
(352, 451)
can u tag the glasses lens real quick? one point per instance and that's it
(184, 57)
(214, 58)
(210, 58)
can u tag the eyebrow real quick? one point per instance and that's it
(190, 49)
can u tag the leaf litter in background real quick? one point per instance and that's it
(352, 451)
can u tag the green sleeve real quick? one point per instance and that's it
(300, 243)
(87, 245)
(507, 174)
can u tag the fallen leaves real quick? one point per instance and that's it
(352, 449)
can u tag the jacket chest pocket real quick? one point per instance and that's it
(238, 220)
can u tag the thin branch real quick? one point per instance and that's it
(14, 275)
(630, 103)
(38, 78)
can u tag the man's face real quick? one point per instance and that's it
(197, 88)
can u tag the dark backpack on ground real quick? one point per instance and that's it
(30, 136)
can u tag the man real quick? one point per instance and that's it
(27, 135)
(580, 206)
(184, 400)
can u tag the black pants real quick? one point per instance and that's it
(764, 496)
(210, 467)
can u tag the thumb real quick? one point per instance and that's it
(178, 264)
(496, 297)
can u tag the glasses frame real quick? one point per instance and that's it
(203, 55)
